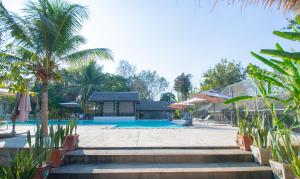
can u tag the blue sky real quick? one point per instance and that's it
(175, 36)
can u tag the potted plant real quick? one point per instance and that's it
(57, 153)
(284, 161)
(259, 148)
(71, 139)
(244, 138)
(21, 165)
(40, 151)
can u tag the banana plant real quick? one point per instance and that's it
(284, 77)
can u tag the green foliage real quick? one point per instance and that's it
(22, 165)
(284, 76)
(260, 130)
(45, 34)
(183, 85)
(168, 96)
(177, 114)
(57, 135)
(41, 149)
(14, 72)
(71, 127)
(244, 124)
(222, 74)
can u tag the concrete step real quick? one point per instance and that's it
(248, 170)
(158, 156)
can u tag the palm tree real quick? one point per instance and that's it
(86, 79)
(44, 36)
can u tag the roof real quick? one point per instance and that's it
(71, 104)
(154, 106)
(114, 96)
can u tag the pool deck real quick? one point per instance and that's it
(201, 135)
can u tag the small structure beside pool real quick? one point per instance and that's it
(127, 106)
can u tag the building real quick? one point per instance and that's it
(127, 105)
(154, 110)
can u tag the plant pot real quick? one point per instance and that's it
(56, 158)
(281, 170)
(42, 172)
(261, 155)
(244, 142)
(71, 142)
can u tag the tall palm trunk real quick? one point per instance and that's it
(44, 105)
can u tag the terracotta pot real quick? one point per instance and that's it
(244, 142)
(261, 155)
(56, 158)
(42, 172)
(71, 142)
(282, 170)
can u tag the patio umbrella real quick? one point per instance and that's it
(212, 96)
(24, 107)
(180, 105)
(196, 100)
(71, 104)
(21, 109)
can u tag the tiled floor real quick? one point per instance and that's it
(96, 136)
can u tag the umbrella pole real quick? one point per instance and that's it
(214, 111)
(15, 113)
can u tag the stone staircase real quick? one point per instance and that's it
(160, 163)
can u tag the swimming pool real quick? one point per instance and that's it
(116, 124)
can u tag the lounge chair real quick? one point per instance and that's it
(3, 123)
(205, 120)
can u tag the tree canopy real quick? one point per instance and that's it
(222, 74)
(183, 85)
(167, 96)
(44, 35)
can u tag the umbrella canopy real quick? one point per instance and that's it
(212, 96)
(196, 100)
(24, 107)
(181, 105)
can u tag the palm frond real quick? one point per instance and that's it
(97, 53)
(285, 5)
(10, 23)
(9, 57)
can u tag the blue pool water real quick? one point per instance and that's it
(116, 124)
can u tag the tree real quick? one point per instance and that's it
(183, 85)
(45, 35)
(86, 79)
(139, 85)
(125, 69)
(168, 96)
(115, 83)
(222, 74)
(150, 84)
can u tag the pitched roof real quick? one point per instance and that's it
(154, 106)
(114, 96)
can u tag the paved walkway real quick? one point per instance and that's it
(97, 136)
